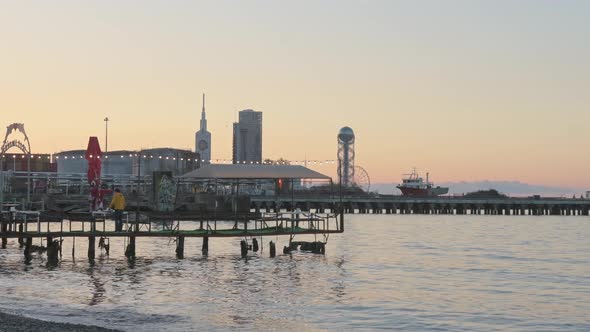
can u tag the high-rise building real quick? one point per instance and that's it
(203, 138)
(247, 139)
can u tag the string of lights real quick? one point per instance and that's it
(163, 157)
(216, 161)
(23, 156)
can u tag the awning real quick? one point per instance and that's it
(222, 171)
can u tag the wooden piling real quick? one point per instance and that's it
(4, 230)
(180, 247)
(254, 245)
(273, 250)
(21, 241)
(27, 251)
(130, 251)
(205, 247)
(91, 247)
(52, 251)
(61, 242)
(244, 248)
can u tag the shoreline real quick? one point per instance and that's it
(12, 322)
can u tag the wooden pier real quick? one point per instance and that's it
(28, 225)
(453, 205)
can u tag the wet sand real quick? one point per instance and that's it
(9, 322)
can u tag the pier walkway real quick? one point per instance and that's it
(28, 225)
(458, 205)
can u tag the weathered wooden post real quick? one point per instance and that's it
(130, 251)
(244, 248)
(21, 241)
(52, 251)
(180, 247)
(205, 247)
(28, 244)
(273, 250)
(254, 245)
(3, 230)
(342, 218)
(319, 248)
(91, 247)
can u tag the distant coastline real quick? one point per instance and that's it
(510, 188)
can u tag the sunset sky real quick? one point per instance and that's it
(467, 90)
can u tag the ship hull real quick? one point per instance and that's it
(436, 191)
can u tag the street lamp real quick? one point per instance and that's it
(106, 134)
(106, 143)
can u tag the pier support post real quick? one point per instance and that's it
(254, 245)
(3, 231)
(21, 241)
(244, 248)
(180, 247)
(52, 251)
(205, 247)
(91, 247)
(27, 251)
(130, 251)
(273, 250)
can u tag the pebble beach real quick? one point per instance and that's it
(13, 323)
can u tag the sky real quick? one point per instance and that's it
(466, 90)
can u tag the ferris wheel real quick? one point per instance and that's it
(361, 179)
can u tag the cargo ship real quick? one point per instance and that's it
(414, 185)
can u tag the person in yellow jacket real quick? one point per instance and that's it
(118, 204)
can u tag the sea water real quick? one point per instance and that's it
(404, 272)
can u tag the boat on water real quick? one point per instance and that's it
(414, 185)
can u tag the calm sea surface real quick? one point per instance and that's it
(411, 273)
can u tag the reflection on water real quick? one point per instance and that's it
(447, 273)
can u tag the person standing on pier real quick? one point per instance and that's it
(118, 204)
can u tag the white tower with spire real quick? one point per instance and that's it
(203, 138)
